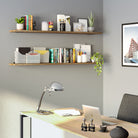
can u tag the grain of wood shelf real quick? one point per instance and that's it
(38, 64)
(53, 32)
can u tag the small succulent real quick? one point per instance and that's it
(91, 20)
(99, 61)
(20, 20)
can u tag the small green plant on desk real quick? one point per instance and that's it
(99, 61)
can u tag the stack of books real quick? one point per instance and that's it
(62, 55)
(28, 22)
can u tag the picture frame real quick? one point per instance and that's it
(84, 22)
(77, 27)
(130, 44)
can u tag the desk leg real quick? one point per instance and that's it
(21, 125)
(30, 127)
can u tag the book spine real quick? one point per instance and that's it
(56, 55)
(60, 55)
(74, 55)
(27, 23)
(31, 22)
(71, 55)
(51, 55)
(67, 55)
(64, 55)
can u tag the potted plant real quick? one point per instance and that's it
(91, 23)
(99, 61)
(19, 25)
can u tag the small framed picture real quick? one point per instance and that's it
(84, 22)
(77, 27)
(130, 44)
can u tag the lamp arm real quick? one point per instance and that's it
(39, 105)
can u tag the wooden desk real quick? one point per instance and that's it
(71, 125)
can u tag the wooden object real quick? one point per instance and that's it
(72, 124)
(53, 32)
(37, 64)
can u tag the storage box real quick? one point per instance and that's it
(32, 58)
(20, 54)
(44, 55)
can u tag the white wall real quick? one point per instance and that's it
(117, 80)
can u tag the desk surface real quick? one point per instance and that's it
(72, 124)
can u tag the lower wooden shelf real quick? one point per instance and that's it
(37, 64)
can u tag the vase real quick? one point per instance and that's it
(19, 26)
(119, 132)
(90, 29)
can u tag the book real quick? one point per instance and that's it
(74, 55)
(64, 55)
(60, 55)
(71, 55)
(56, 55)
(27, 22)
(67, 55)
(31, 22)
(51, 55)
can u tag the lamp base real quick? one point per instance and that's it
(43, 112)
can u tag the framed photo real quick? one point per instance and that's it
(77, 27)
(130, 44)
(84, 22)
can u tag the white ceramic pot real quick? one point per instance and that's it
(90, 29)
(19, 26)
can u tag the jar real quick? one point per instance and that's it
(50, 27)
(78, 59)
(84, 57)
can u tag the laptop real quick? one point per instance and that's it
(91, 112)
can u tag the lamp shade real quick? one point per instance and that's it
(56, 86)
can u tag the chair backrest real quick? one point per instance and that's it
(128, 110)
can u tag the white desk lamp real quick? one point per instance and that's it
(54, 87)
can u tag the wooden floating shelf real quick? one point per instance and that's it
(53, 32)
(37, 64)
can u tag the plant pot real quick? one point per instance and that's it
(90, 29)
(19, 26)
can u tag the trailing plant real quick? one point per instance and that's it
(99, 61)
(20, 20)
(91, 20)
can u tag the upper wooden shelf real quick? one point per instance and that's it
(37, 64)
(53, 32)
